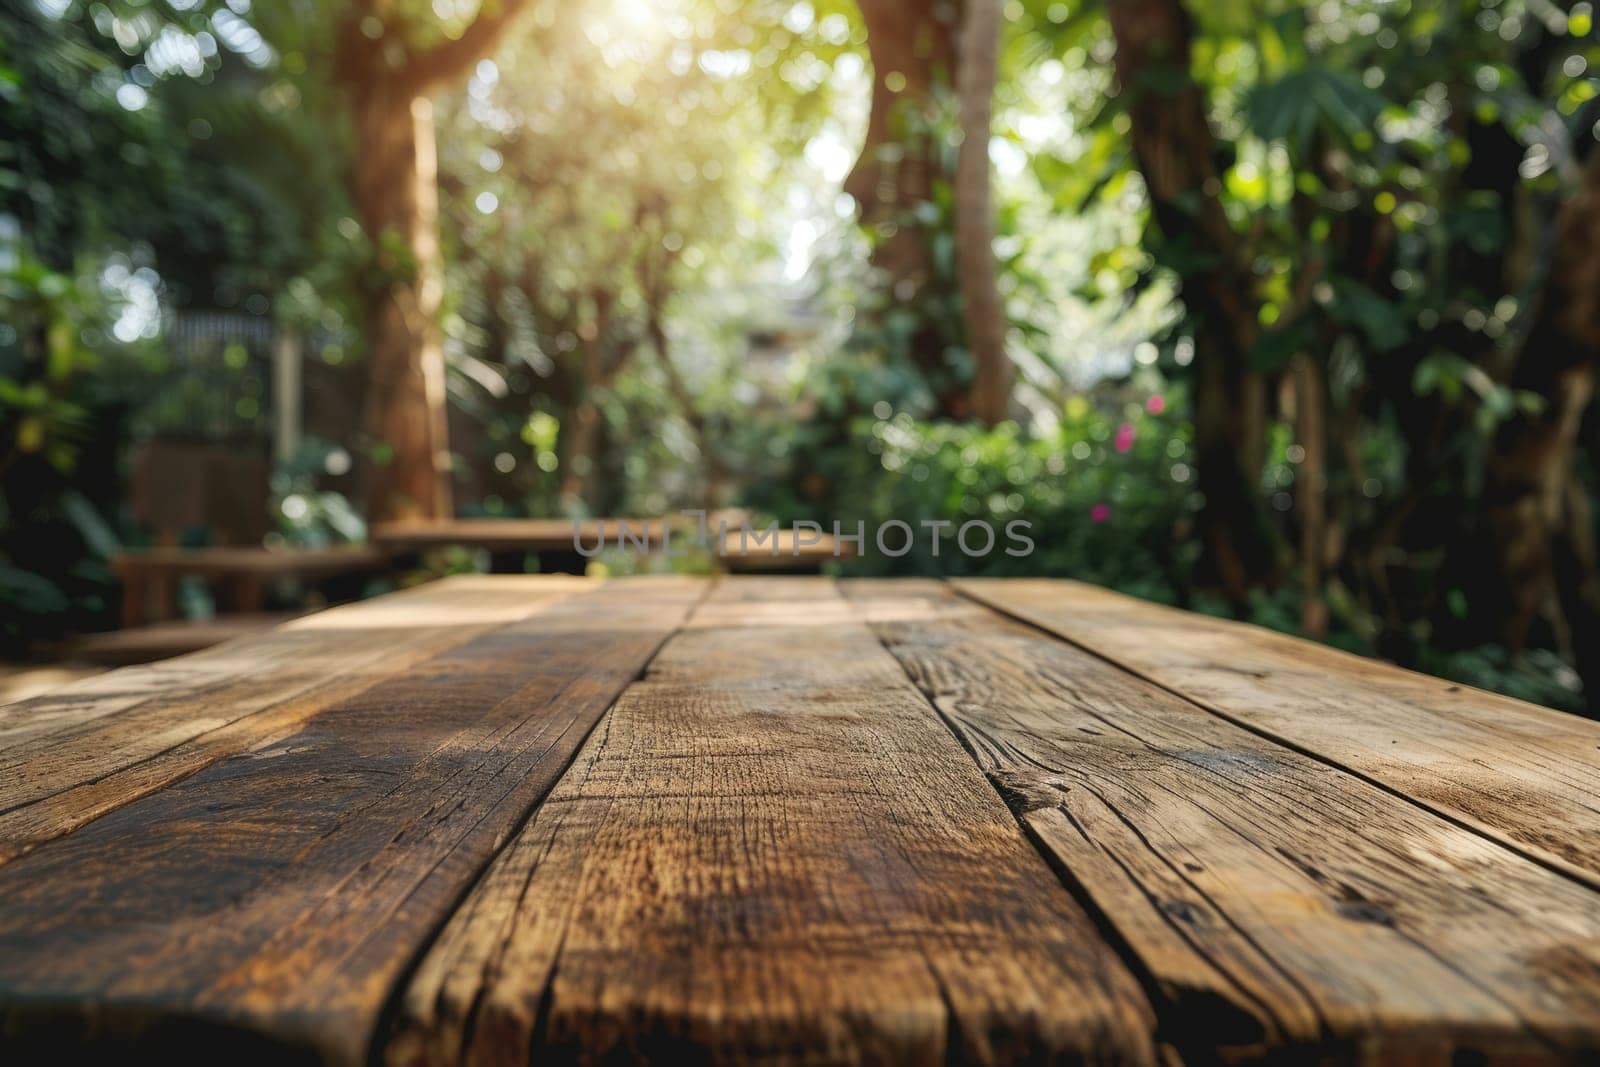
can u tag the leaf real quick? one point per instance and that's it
(96, 531)
(1385, 325)
(1479, 225)
(1300, 104)
(1183, 255)
(30, 592)
(1274, 348)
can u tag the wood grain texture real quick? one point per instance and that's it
(1524, 775)
(1279, 904)
(268, 902)
(771, 850)
(72, 756)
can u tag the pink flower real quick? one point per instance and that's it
(1100, 512)
(1124, 437)
(1156, 404)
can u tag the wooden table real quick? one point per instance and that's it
(555, 541)
(512, 820)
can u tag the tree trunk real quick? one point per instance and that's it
(913, 52)
(715, 475)
(578, 458)
(1578, 582)
(982, 307)
(397, 195)
(395, 183)
(1175, 150)
(1311, 488)
(913, 57)
(604, 357)
(1537, 517)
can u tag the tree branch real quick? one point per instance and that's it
(449, 59)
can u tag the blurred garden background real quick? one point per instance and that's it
(1283, 310)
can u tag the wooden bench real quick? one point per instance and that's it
(150, 577)
(555, 541)
(782, 552)
(505, 820)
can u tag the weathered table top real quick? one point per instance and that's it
(500, 820)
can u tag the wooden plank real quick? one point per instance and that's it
(771, 850)
(461, 600)
(457, 601)
(1523, 775)
(106, 694)
(1275, 901)
(277, 895)
(125, 742)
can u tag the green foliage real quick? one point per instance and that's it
(1107, 492)
(307, 515)
(148, 161)
(643, 234)
(623, 173)
(122, 125)
(1540, 676)
(58, 434)
(1389, 174)
(1313, 101)
(45, 316)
